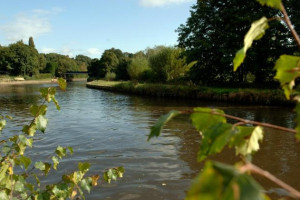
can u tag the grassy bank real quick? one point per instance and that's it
(246, 96)
(41, 79)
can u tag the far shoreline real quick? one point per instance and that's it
(42, 81)
(248, 96)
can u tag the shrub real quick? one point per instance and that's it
(110, 76)
(168, 63)
(137, 67)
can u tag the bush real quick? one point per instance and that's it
(168, 64)
(137, 67)
(110, 76)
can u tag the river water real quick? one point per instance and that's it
(108, 130)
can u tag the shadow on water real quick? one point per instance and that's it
(108, 130)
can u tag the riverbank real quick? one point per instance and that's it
(234, 95)
(40, 81)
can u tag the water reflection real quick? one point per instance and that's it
(109, 130)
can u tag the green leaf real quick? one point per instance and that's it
(41, 123)
(29, 130)
(287, 70)
(256, 32)
(48, 93)
(14, 139)
(113, 174)
(120, 171)
(3, 195)
(214, 140)
(2, 124)
(203, 118)
(86, 184)
(156, 129)
(61, 152)
(37, 180)
(55, 162)
(220, 181)
(21, 148)
(239, 59)
(271, 3)
(70, 150)
(44, 93)
(25, 161)
(9, 117)
(3, 171)
(106, 178)
(62, 83)
(55, 102)
(250, 145)
(25, 140)
(38, 110)
(61, 191)
(84, 167)
(47, 168)
(19, 186)
(76, 177)
(40, 165)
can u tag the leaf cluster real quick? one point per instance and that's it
(20, 178)
(219, 181)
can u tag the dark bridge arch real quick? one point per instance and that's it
(69, 74)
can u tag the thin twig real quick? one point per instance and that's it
(290, 26)
(244, 121)
(249, 167)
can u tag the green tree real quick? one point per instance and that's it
(5, 65)
(121, 70)
(83, 62)
(96, 70)
(31, 42)
(109, 60)
(168, 63)
(213, 32)
(64, 63)
(42, 62)
(137, 67)
(23, 59)
(51, 68)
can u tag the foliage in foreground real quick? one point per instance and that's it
(20, 178)
(220, 181)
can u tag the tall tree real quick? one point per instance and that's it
(31, 42)
(23, 59)
(83, 62)
(215, 31)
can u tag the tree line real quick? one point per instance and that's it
(162, 64)
(207, 44)
(20, 59)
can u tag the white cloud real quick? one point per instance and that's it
(48, 50)
(25, 25)
(94, 52)
(72, 52)
(68, 51)
(160, 3)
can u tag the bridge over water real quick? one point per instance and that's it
(69, 74)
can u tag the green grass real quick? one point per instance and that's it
(106, 83)
(238, 95)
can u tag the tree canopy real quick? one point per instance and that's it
(214, 31)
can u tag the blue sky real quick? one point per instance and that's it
(89, 27)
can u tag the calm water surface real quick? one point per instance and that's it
(108, 130)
